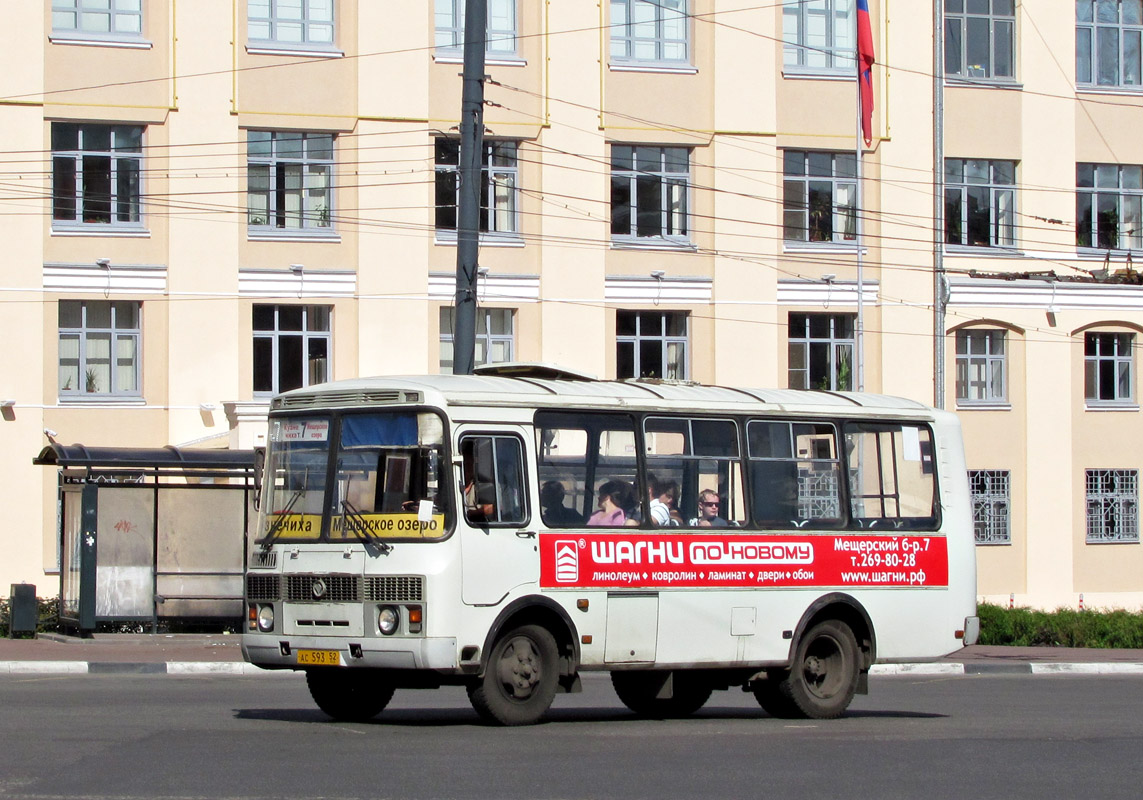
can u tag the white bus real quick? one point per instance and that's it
(510, 530)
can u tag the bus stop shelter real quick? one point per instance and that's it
(151, 535)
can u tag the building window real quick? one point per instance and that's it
(104, 17)
(818, 34)
(821, 350)
(649, 189)
(649, 30)
(291, 347)
(1112, 505)
(1108, 367)
(95, 173)
(289, 180)
(501, 32)
(991, 502)
(819, 196)
(495, 339)
(295, 23)
(1108, 42)
(99, 348)
(1109, 206)
(980, 38)
(981, 366)
(499, 179)
(980, 202)
(651, 344)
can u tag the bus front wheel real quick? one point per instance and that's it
(348, 695)
(822, 678)
(519, 681)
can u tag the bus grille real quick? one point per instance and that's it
(263, 587)
(394, 588)
(333, 588)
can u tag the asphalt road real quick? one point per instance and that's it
(155, 736)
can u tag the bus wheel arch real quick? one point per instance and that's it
(843, 608)
(546, 613)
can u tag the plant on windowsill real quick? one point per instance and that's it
(91, 382)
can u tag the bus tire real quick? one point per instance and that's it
(824, 672)
(774, 701)
(520, 679)
(348, 695)
(637, 692)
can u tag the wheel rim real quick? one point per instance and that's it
(519, 669)
(823, 668)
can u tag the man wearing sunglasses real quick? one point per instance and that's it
(708, 510)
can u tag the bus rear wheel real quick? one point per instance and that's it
(822, 678)
(348, 695)
(637, 690)
(519, 681)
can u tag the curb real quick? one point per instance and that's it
(201, 668)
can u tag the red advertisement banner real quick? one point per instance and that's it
(740, 560)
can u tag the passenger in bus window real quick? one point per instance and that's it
(554, 512)
(664, 494)
(479, 495)
(612, 495)
(708, 507)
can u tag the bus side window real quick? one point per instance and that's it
(493, 480)
(795, 474)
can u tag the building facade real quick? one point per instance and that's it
(209, 202)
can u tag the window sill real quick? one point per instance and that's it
(1122, 91)
(448, 239)
(984, 406)
(272, 49)
(293, 236)
(814, 248)
(974, 251)
(795, 73)
(651, 243)
(1095, 254)
(652, 66)
(1111, 541)
(103, 231)
(124, 42)
(502, 61)
(102, 401)
(1088, 405)
(994, 544)
(983, 83)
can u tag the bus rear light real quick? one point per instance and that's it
(958, 634)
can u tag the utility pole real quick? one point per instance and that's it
(940, 281)
(471, 186)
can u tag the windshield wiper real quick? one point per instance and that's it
(353, 520)
(280, 520)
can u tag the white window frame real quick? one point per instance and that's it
(1001, 25)
(316, 20)
(115, 334)
(499, 196)
(1111, 193)
(495, 334)
(500, 35)
(1112, 505)
(312, 371)
(650, 167)
(805, 174)
(677, 368)
(124, 176)
(991, 491)
(1109, 350)
(964, 183)
(1122, 36)
(315, 211)
(981, 366)
(840, 351)
(630, 41)
(819, 36)
(118, 20)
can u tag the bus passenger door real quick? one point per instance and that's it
(499, 546)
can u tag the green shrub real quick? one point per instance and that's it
(1064, 627)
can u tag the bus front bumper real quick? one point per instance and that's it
(299, 652)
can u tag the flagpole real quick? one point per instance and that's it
(859, 333)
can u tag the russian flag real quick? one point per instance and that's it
(865, 69)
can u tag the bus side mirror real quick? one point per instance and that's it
(259, 471)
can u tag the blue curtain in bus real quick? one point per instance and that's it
(392, 430)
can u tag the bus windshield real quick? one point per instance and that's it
(386, 481)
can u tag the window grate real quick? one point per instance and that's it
(991, 502)
(1112, 505)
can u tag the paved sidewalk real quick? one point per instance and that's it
(185, 654)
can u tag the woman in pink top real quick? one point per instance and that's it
(610, 512)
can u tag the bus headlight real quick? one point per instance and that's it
(265, 618)
(388, 620)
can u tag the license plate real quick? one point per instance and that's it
(320, 658)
